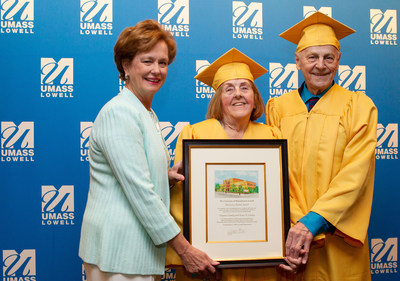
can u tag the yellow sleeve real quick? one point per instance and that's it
(176, 196)
(186, 133)
(276, 132)
(347, 202)
(273, 119)
(271, 114)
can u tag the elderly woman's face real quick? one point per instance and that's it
(237, 99)
(148, 70)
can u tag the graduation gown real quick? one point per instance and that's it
(212, 129)
(331, 170)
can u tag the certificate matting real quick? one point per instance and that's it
(236, 202)
(236, 205)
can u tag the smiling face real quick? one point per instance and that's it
(319, 65)
(237, 99)
(147, 72)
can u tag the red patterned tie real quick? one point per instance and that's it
(312, 102)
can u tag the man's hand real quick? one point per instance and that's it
(297, 247)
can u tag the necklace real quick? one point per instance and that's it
(235, 133)
(158, 129)
(229, 126)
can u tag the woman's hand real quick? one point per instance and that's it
(196, 262)
(175, 174)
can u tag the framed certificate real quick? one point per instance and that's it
(236, 200)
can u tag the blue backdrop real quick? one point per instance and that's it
(57, 71)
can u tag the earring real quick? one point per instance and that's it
(126, 76)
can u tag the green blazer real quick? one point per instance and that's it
(127, 221)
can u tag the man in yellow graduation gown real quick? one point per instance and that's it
(331, 136)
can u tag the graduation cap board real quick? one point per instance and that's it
(231, 65)
(317, 30)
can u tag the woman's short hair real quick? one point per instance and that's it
(215, 106)
(141, 38)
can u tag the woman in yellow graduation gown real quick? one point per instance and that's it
(232, 111)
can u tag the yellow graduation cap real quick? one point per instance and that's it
(231, 65)
(317, 30)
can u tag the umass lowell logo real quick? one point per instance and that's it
(121, 84)
(19, 266)
(170, 134)
(387, 146)
(17, 142)
(247, 20)
(16, 16)
(282, 79)
(352, 79)
(203, 91)
(96, 17)
(169, 275)
(309, 10)
(384, 256)
(173, 15)
(86, 128)
(383, 27)
(57, 78)
(58, 205)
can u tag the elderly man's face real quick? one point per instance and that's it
(318, 65)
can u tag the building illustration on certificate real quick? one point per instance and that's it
(236, 182)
